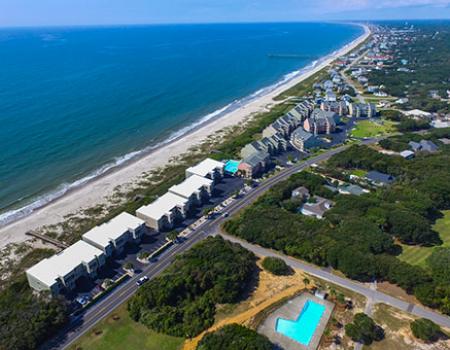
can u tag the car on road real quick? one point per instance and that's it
(226, 214)
(141, 281)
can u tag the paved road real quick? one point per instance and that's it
(86, 321)
(371, 294)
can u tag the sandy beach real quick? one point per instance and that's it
(98, 191)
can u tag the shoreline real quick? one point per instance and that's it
(96, 191)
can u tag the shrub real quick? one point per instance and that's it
(234, 337)
(425, 330)
(276, 266)
(363, 329)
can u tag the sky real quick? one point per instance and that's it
(107, 12)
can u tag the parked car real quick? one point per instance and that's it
(141, 281)
(83, 299)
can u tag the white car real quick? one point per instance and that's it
(141, 281)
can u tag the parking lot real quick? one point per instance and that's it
(151, 242)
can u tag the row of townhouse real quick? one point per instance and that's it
(256, 155)
(86, 257)
(179, 202)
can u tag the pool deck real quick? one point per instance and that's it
(291, 311)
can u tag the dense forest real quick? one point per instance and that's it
(181, 302)
(427, 57)
(234, 337)
(358, 235)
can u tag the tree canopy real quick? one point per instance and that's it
(234, 337)
(425, 329)
(181, 302)
(364, 330)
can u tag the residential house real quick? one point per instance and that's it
(379, 179)
(352, 189)
(317, 207)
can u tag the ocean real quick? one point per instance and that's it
(77, 102)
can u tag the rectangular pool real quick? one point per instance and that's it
(302, 329)
(231, 166)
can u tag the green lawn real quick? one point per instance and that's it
(417, 255)
(123, 333)
(367, 128)
(359, 172)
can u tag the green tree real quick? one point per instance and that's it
(364, 330)
(276, 266)
(173, 235)
(425, 330)
(234, 337)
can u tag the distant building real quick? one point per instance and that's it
(359, 110)
(352, 189)
(209, 168)
(112, 236)
(317, 207)
(303, 140)
(407, 154)
(423, 146)
(60, 272)
(255, 164)
(321, 122)
(336, 107)
(379, 179)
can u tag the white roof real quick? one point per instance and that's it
(59, 265)
(417, 112)
(406, 153)
(205, 167)
(162, 206)
(113, 229)
(191, 185)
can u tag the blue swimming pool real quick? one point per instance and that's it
(231, 166)
(302, 329)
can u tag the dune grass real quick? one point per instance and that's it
(118, 332)
(415, 255)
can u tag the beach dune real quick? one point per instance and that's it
(97, 191)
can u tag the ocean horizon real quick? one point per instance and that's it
(76, 102)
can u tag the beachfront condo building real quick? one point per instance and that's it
(164, 212)
(209, 168)
(112, 236)
(321, 122)
(196, 189)
(304, 140)
(61, 271)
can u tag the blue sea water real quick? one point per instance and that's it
(75, 102)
